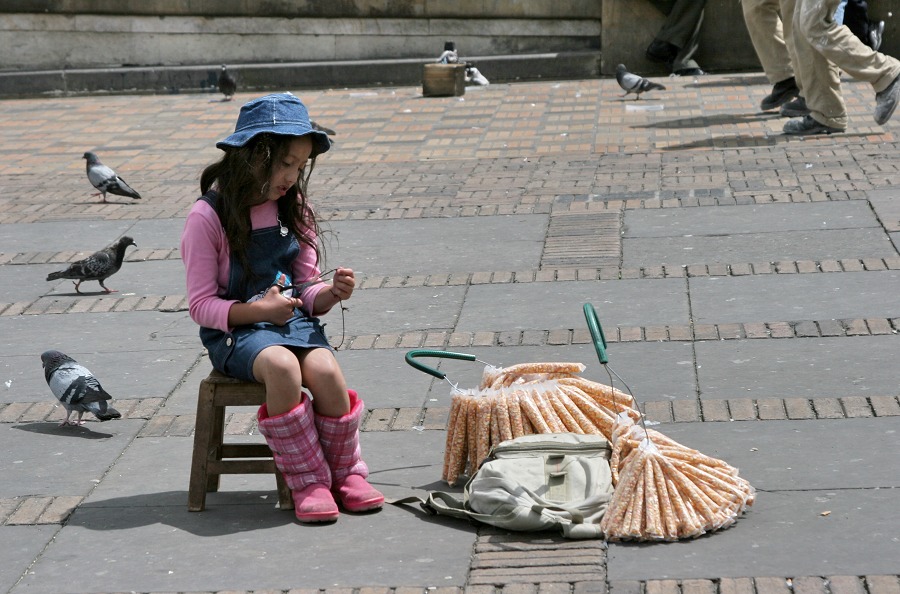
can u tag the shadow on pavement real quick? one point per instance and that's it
(231, 516)
(79, 431)
(705, 121)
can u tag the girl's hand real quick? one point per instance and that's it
(276, 307)
(342, 283)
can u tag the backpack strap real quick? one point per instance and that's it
(444, 504)
(211, 197)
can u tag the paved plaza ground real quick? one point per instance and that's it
(748, 283)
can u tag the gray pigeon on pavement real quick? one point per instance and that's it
(77, 388)
(632, 83)
(99, 266)
(227, 84)
(105, 179)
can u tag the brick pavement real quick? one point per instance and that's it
(570, 150)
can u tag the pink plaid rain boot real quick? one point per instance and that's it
(295, 446)
(339, 437)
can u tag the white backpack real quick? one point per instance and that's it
(536, 482)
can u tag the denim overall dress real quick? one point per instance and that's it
(270, 253)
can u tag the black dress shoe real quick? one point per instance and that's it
(689, 72)
(662, 51)
(782, 92)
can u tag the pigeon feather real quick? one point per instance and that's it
(632, 83)
(99, 266)
(76, 388)
(106, 180)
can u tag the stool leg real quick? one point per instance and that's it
(285, 501)
(217, 438)
(202, 436)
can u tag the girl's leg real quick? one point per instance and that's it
(338, 414)
(323, 377)
(278, 368)
(287, 422)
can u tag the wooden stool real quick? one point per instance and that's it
(212, 457)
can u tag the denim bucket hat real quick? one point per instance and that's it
(278, 113)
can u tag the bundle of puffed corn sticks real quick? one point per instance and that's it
(667, 491)
(525, 399)
(663, 490)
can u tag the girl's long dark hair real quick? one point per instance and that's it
(241, 178)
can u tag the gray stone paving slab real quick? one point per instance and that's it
(28, 282)
(795, 297)
(886, 204)
(150, 542)
(183, 399)
(128, 352)
(802, 469)
(438, 245)
(19, 546)
(61, 236)
(97, 332)
(784, 534)
(801, 455)
(747, 218)
(801, 367)
(380, 377)
(156, 233)
(160, 466)
(45, 459)
(653, 371)
(645, 302)
(757, 247)
(393, 311)
(152, 277)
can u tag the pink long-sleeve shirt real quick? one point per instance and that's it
(207, 264)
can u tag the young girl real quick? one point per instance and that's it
(249, 242)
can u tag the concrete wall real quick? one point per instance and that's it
(569, 9)
(56, 34)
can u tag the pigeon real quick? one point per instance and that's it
(99, 266)
(105, 179)
(227, 84)
(77, 388)
(474, 76)
(632, 83)
(319, 128)
(449, 56)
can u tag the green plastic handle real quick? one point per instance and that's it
(411, 355)
(596, 332)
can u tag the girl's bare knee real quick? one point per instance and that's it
(276, 363)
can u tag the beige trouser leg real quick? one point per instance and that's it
(825, 48)
(787, 25)
(763, 21)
